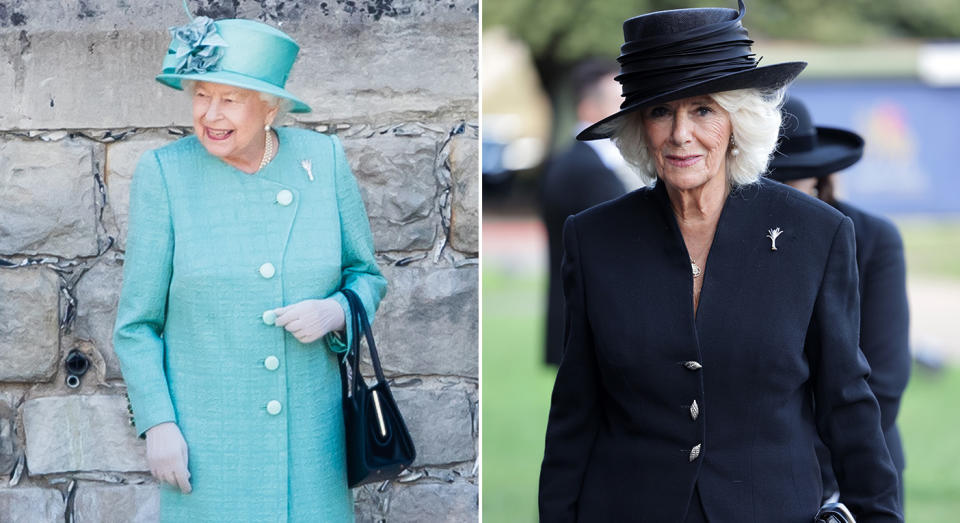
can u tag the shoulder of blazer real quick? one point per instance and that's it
(870, 226)
(307, 137)
(872, 231)
(189, 149)
(781, 199)
(178, 150)
(628, 204)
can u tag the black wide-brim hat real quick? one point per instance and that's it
(805, 151)
(669, 55)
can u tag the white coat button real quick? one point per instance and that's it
(267, 270)
(285, 197)
(271, 363)
(269, 317)
(273, 407)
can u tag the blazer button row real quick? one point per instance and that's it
(267, 270)
(694, 411)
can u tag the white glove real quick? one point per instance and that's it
(309, 320)
(167, 455)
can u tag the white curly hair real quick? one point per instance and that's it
(754, 118)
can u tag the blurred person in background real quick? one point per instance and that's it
(808, 159)
(581, 176)
(711, 320)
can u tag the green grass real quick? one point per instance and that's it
(929, 428)
(932, 247)
(516, 395)
(516, 398)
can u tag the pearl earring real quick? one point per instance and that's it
(734, 150)
(266, 127)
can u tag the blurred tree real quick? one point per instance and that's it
(561, 32)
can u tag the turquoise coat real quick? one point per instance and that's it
(260, 411)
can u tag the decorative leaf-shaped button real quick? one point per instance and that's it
(692, 365)
(694, 410)
(695, 452)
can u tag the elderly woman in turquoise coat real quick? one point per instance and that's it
(230, 318)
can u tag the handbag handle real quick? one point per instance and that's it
(358, 315)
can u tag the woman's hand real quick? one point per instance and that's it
(309, 320)
(167, 455)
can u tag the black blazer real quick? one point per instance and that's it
(884, 321)
(776, 332)
(574, 180)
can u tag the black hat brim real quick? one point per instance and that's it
(767, 77)
(836, 150)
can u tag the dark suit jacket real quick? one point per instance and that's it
(884, 322)
(776, 332)
(574, 180)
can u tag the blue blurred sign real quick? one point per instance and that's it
(911, 163)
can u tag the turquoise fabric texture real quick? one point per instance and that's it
(190, 335)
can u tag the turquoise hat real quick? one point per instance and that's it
(242, 53)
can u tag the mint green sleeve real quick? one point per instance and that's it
(141, 313)
(359, 271)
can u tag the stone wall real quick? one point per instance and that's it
(396, 80)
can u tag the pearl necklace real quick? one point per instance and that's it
(267, 151)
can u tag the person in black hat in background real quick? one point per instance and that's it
(583, 175)
(711, 321)
(808, 158)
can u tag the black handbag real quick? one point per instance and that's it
(379, 445)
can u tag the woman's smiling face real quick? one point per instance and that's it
(229, 122)
(688, 140)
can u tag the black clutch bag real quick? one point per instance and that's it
(379, 445)
(834, 513)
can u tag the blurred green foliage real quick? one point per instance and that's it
(566, 30)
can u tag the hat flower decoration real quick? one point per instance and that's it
(199, 46)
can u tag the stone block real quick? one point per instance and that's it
(97, 293)
(399, 188)
(48, 198)
(94, 503)
(81, 433)
(29, 314)
(427, 324)
(122, 158)
(108, 50)
(70, 79)
(439, 415)
(438, 79)
(463, 161)
(9, 448)
(31, 505)
(456, 502)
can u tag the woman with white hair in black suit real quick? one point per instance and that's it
(711, 320)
